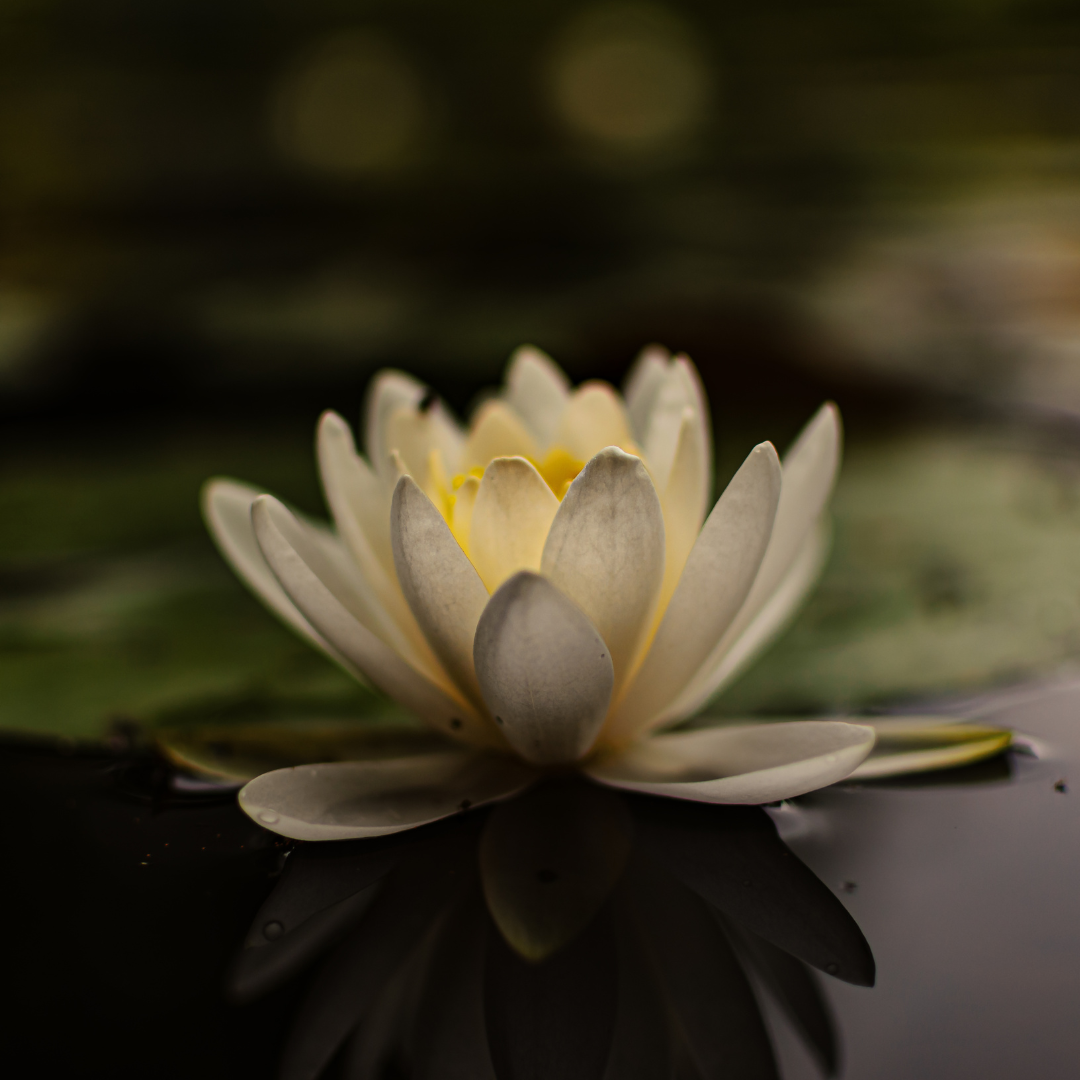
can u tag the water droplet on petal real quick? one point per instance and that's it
(268, 817)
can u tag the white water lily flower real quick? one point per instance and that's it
(548, 589)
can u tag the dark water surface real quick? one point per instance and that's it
(130, 890)
(968, 896)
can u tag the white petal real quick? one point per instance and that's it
(792, 562)
(915, 744)
(545, 671)
(361, 510)
(809, 472)
(417, 433)
(665, 420)
(389, 391)
(594, 417)
(322, 587)
(714, 584)
(605, 550)
(226, 506)
(442, 587)
(537, 390)
(642, 385)
(358, 499)
(342, 800)
(751, 763)
(497, 431)
(737, 650)
(684, 502)
(658, 415)
(691, 380)
(510, 521)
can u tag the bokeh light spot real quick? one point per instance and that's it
(630, 79)
(351, 105)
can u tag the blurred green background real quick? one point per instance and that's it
(218, 219)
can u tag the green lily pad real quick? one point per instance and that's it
(955, 565)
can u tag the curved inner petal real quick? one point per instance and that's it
(537, 390)
(510, 520)
(497, 431)
(594, 417)
(605, 551)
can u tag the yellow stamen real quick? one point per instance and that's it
(559, 470)
(460, 478)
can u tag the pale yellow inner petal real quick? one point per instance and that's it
(510, 520)
(462, 502)
(594, 417)
(497, 432)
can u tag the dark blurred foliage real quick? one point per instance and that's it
(215, 204)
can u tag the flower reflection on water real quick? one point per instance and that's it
(572, 931)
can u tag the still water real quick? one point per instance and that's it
(157, 931)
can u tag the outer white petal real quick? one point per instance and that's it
(537, 390)
(361, 510)
(342, 800)
(323, 589)
(792, 563)
(734, 653)
(442, 587)
(809, 472)
(713, 587)
(389, 391)
(594, 417)
(642, 385)
(684, 502)
(605, 550)
(497, 431)
(752, 763)
(510, 520)
(226, 506)
(545, 672)
(358, 498)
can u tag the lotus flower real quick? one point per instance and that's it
(549, 589)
